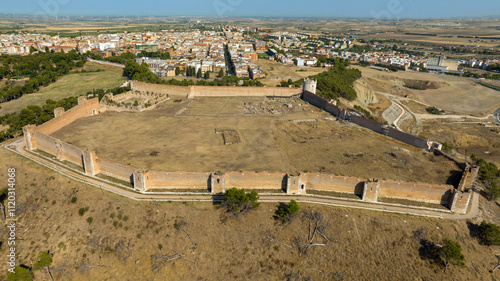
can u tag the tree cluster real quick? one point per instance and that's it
(142, 73)
(337, 82)
(42, 68)
(32, 114)
(238, 201)
(489, 175)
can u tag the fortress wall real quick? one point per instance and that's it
(115, 169)
(82, 110)
(255, 180)
(320, 103)
(367, 123)
(160, 88)
(408, 138)
(176, 180)
(46, 143)
(422, 192)
(215, 91)
(228, 91)
(72, 154)
(333, 183)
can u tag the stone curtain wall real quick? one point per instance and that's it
(333, 183)
(45, 143)
(254, 180)
(422, 192)
(176, 180)
(114, 169)
(65, 118)
(214, 91)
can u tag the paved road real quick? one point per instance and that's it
(403, 112)
(496, 115)
(19, 145)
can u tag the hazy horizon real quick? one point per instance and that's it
(362, 9)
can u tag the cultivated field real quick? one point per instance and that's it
(73, 84)
(362, 245)
(296, 138)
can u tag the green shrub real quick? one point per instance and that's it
(447, 146)
(489, 233)
(453, 252)
(61, 246)
(82, 211)
(90, 220)
(434, 110)
(73, 200)
(489, 175)
(292, 208)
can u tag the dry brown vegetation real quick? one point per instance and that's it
(456, 95)
(277, 72)
(483, 141)
(183, 137)
(361, 245)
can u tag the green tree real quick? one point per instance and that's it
(177, 71)
(20, 274)
(453, 252)
(238, 201)
(489, 233)
(291, 209)
(44, 261)
(221, 73)
(207, 75)
(199, 73)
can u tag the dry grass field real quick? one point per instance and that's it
(182, 138)
(73, 84)
(277, 72)
(456, 95)
(484, 141)
(362, 245)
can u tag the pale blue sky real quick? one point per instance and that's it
(268, 8)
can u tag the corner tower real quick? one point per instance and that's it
(309, 85)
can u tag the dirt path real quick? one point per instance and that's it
(18, 147)
(107, 63)
(420, 117)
